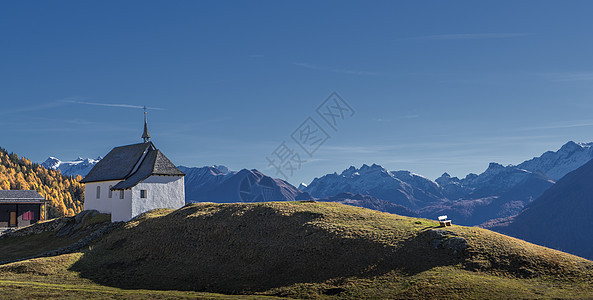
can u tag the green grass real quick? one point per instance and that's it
(31, 245)
(27, 246)
(50, 277)
(302, 250)
(96, 219)
(36, 290)
(439, 282)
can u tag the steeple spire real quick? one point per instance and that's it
(145, 135)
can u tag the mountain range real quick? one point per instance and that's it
(219, 184)
(80, 166)
(499, 192)
(559, 218)
(546, 200)
(401, 187)
(557, 164)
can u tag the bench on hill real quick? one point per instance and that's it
(444, 222)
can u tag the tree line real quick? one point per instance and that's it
(65, 194)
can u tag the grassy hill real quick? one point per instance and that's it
(309, 250)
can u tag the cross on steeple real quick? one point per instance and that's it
(145, 135)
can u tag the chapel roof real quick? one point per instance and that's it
(132, 164)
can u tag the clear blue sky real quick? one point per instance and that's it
(436, 85)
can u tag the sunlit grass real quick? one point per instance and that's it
(299, 250)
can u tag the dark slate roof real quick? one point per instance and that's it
(155, 163)
(132, 164)
(118, 163)
(20, 196)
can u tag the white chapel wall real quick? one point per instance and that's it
(103, 203)
(161, 192)
(121, 208)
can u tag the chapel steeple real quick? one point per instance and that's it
(145, 135)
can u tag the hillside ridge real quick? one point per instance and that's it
(311, 249)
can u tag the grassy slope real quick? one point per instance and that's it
(27, 246)
(52, 278)
(309, 250)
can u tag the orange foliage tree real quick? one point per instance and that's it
(65, 194)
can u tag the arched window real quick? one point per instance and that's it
(110, 192)
(98, 191)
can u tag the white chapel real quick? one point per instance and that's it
(134, 179)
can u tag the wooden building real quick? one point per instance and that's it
(20, 208)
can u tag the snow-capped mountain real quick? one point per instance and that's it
(500, 191)
(497, 192)
(80, 166)
(400, 187)
(555, 165)
(559, 218)
(219, 184)
(495, 180)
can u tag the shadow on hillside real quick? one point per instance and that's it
(423, 252)
(238, 248)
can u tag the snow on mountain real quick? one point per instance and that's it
(80, 166)
(500, 191)
(401, 187)
(452, 186)
(497, 192)
(503, 191)
(555, 165)
(51, 163)
(418, 181)
(566, 207)
(222, 169)
(496, 179)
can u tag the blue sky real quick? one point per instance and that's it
(435, 85)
